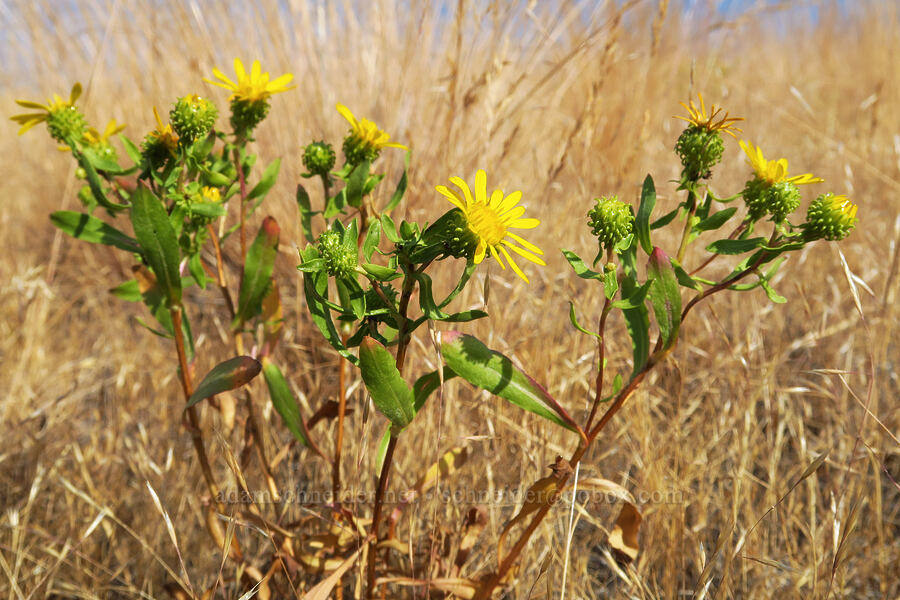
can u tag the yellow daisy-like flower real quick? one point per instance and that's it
(54, 105)
(700, 118)
(211, 194)
(254, 86)
(774, 171)
(163, 136)
(367, 133)
(94, 137)
(490, 220)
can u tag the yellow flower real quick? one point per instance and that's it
(54, 105)
(774, 171)
(211, 194)
(491, 219)
(700, 118)
(366, 135)
(253, 87)
(93, 137)
(162, 138)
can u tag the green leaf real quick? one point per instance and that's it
(159, 245)
(664, 296)
(390, 393)
(379, 272)
(91, 229)
(195, 266)
(642, 220)
(684, 278)
(426, 299)
(637, 320)
(356, 183)
(373, 238)
(131, 149)
(390, 230)
(573, 318)
(257, 272)
(715, 220)
(736, 246)
(401, 188)
(225, 376)
(464, 316)
(771, 293)
(494, 372)
(266, 182)
(635, 299)
(427, 384)
(283, 400)
(665, 219)
(580, 268)
(210, 210)
(610, 283)
(306, 213)
(353, 298)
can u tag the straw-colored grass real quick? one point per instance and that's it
(565, 101)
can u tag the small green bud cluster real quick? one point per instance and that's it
(830, 217)
(192, 118)
(319, 158)
(459, 240)
(340, 261)
(66, 123)
(356, 150)
(700, 150)
(762, 198)
(246, 115)
(610, 221)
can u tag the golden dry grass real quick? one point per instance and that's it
(565, 102)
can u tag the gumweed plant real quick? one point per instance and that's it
(367, 282)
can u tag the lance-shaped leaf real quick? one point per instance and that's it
(306, 213)
(257, 272)
(642, 220)
(283, 400)
(637, 320)
(91, 229)
(400, 190)
(494, 372)
(225, 376)
(664, 296)
(159, 245)
(266, 181)
(272, 318)
(580, 268)
(736, 246)
(391, 394)
(427, 384)
(715, 220)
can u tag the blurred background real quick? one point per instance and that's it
(566, 101)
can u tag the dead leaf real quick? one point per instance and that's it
(542, 492)
(473, 525)
(327, 411)
(624, 537)
(322, 590)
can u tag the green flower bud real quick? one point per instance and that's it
(340, 261)
(66, 123)
(778, 199)
(830, 217)
(610, 221)
(782, 199)
(192, 117)
(247, 114)
(700, 149)
(318, 158)
(86, 197)
(358, 149)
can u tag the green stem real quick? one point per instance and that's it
(686, 233)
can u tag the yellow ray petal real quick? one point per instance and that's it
(525, 253)
(461, 184)
(453, 198)
(524, 243)
(513, 264)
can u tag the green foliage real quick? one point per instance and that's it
(228, 375)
